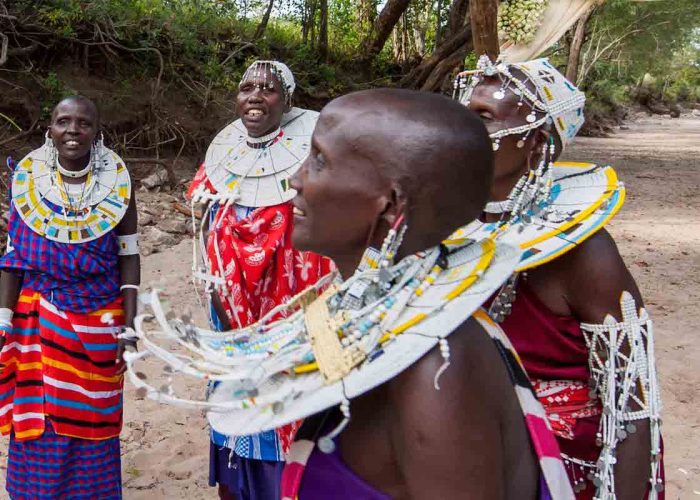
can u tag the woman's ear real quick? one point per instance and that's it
(395, 206)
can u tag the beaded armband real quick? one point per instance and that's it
(128, 244)
(623, 373)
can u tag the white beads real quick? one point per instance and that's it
(445, 353)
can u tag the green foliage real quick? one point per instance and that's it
(54, 91)
(628, 40)
(203, 46)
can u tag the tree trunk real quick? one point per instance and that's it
(312, 20)
(323, 32)
(396, 44)
(305, 8)
(387, 19)
(438, 25)
(458, 16)
(451, 50)
(419, 40)
(575, 47)
(436, 78)
(484, 20)
(263, 23)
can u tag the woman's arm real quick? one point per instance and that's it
(129, 269)
(10, 286)
(597, 280)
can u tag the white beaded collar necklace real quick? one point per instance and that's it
(263, 139)
(74, 174)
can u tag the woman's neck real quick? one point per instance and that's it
(74, 165)
(502, 187)
(264, 139)
(347, 264)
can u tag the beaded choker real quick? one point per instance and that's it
(74, 174)
(264, 138)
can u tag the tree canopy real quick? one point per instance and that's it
(158, 53)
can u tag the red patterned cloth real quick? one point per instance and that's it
(565, 401)
(256, 258)
(260, 267)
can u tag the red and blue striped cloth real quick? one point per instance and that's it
(61, 366)
(61, 401)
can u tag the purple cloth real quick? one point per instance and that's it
(248, 479)
(327, 476)
(544, 490)
(53, 466)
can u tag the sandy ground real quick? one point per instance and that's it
(165, 450)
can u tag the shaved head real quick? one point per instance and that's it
(434, 150)
(381, 155)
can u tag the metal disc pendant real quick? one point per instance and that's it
(499, 95)
(531, 118)
(326, 445)
(520, 144)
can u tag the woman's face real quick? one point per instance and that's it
(341, 195)
(73, 129)
(499, 114)
(261, 102)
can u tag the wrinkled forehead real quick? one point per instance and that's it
(75, 108)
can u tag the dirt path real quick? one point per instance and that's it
(165, 449)
(658, 232)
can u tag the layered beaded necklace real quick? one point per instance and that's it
(329, 332)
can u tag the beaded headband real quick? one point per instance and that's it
(258, 70)
(557, 98)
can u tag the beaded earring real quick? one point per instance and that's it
(97, 151)
(534, 188)
(51, 152)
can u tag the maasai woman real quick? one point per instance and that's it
(68, 288)
(250, 264)
(573, 305)
(430, 406)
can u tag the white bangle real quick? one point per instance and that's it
(6, 316)
(132, 287)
